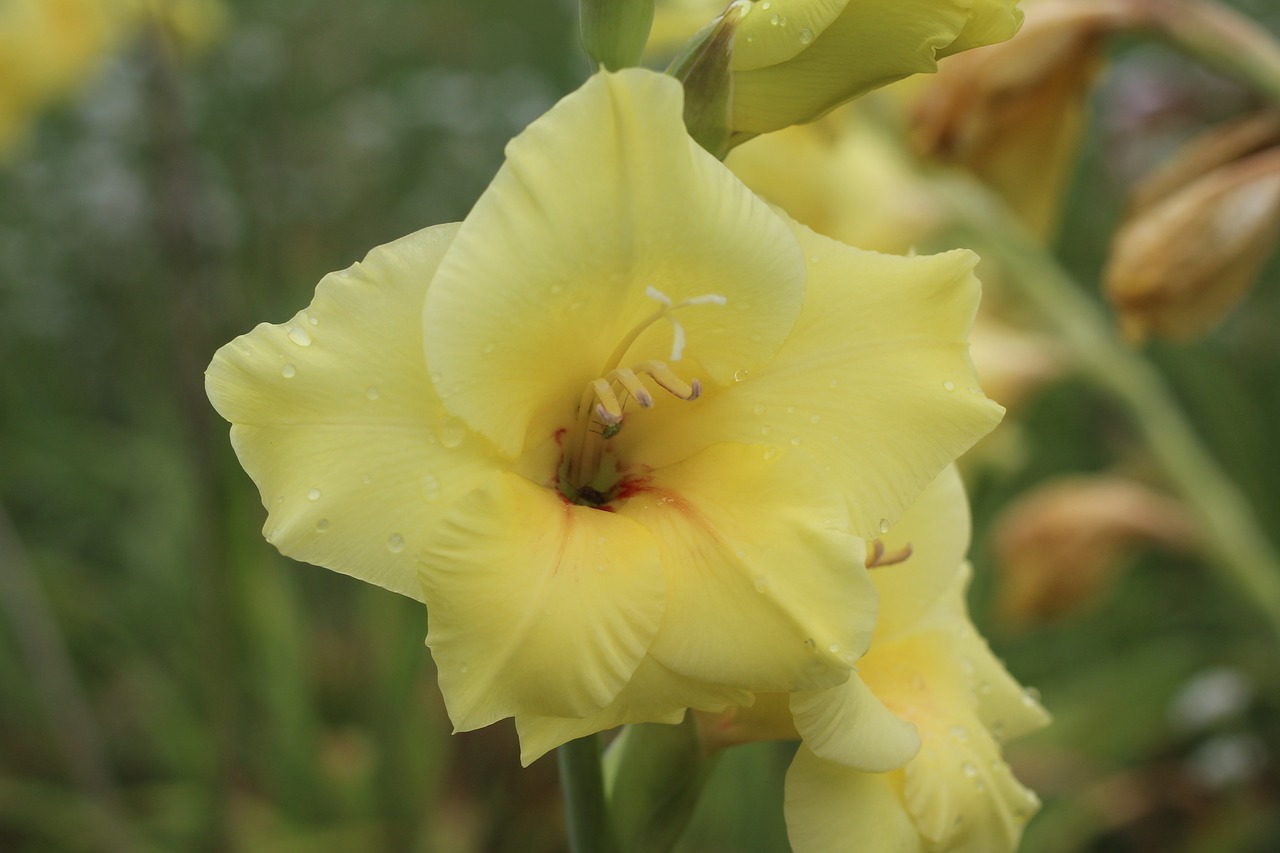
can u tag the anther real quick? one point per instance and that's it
(878, 558)
(628, 379)
(670, 382)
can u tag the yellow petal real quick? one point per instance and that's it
(935, 532)
(340, 428)
(832, 807)
(780, 30)
(943, 678)
(875, 383)
(850, 725)
(765, 590)
(654, 694)
(601, 199)
(536, 606)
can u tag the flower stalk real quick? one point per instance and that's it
(1220, 37)
(582, 783)
(1236, 546)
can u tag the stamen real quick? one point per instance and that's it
(609, 401)
(628, 379)
(877, 558)
(672, 384)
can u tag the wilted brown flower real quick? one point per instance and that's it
(1061, 544)
(1012, 113)
(1196, 239)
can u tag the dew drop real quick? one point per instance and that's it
(430, 487)
(758, 408)
(949, 385)
(765, 5)
(773, 19)
(884, 526)
(834, 383)
(299, 336)
(322, 526)
(770, 453)
(960, 733)
(739, 375)
(791, 410)
(806, 35)
(795, 441)
(765, 430)
(395, 543)
(463, 668)
(761, 583)
(782, 22)
(371, 392)
(451, 432)
(813, 419)
(367, 479)
(813, 259)
(288, 371)
(312, 320)
(834, 648)
(967, 665)
(969, 770)
(313, 495)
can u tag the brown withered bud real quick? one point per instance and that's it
(1191, 251)
(1012, 113)
(1061, 545)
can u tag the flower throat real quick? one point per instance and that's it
(601, 410)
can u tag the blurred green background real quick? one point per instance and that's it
(169, 682)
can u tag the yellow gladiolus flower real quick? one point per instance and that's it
(932, 669)
(624, 429)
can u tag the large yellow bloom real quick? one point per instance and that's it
(624, 429)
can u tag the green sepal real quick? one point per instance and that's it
(614, 32)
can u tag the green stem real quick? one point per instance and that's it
(1235, 543)
(582, 782)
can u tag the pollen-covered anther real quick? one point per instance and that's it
(877, 558)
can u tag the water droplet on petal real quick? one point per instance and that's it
(791, 410)
(739, 375)
(813, 419)
(452, 432)
(288, 371)
(806, 35)
(463, 668)
(765, 5)
(960, 733)
(795, 441)
(969, 770)
(770, 453)
(430, 487)
(949, 385)
(765, 430)
(761, 583)
(371, 392)
(834, 383)
(773, 19)
(884, 526)
(395, 543)
(758, 408)
(312, 320)
(322, 526)
(834, 648)
(299, 336)
(313, 495)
